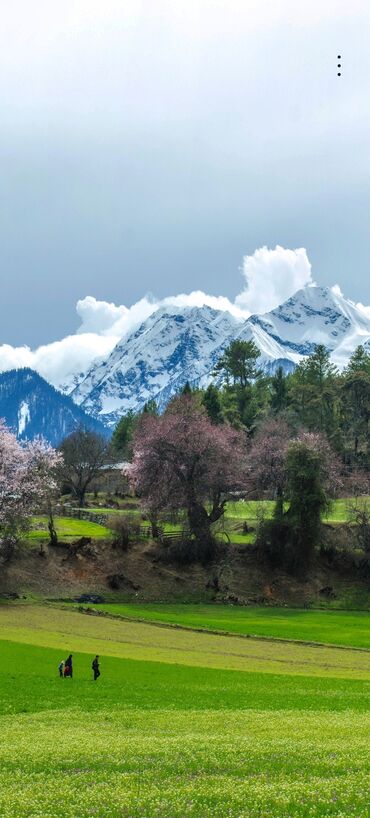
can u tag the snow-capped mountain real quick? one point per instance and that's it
(183, 344)
(31, 407)
(314, 315)
(171, 347)
(179, 344)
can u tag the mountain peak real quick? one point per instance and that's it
(32, 407)
(178, 343)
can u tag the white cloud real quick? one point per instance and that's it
(138, 313)
(272, 276)
(365, 311)
(98, 316)
(362, 308)
(109, 320)
(59, 361)
(200, 299)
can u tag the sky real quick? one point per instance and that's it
(151, 149)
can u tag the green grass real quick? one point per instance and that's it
(239, 512)
(330, 627)
(170, 730)
(250, 510)
(112, 511)
(67, 527)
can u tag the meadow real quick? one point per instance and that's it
(229, 528)
(350, 628)
(181, 723)
(240, 510)
(67, 528)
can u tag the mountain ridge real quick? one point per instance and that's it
(175, 345)
(31, 407)
(178, 344)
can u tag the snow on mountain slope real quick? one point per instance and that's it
(30, 407)
(171, 347)
(175, 345)
(314, 315)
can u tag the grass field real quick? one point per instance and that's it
(249, 510)
(332, 627)
(67, 528)
(181, 724)
(236, 514)
(229, 529)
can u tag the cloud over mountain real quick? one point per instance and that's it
(271, 276)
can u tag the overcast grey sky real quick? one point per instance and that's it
(148, 146)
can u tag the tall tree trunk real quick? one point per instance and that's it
(80, 492)
(52, 529)
(199, 523)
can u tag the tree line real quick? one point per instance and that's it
(299, 439)
(315, 396)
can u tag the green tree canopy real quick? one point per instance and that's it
(123, 433)
(238, 363)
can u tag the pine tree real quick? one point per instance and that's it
(279, 391)
(211, 402)
(186, 389)
(314, 393)
(356, 403)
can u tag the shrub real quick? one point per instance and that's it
(273, 542)
(125, 529)
(185, 551)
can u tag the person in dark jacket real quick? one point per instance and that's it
(95, 667)
(68, 670)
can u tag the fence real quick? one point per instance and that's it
(145, 531)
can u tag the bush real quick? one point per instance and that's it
(362, 522)
(328, 551)
(125, 529)
(185, 551)
(273, 538)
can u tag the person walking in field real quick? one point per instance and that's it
(61, 669)
(95, 667)
(68, 670)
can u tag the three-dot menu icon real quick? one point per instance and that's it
(339, 65)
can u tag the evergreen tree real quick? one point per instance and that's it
(238, 372)
(186, 389)
(123, 433)
(356, 403)
(238, 363)
(212, 403)
(314, 393)
(279, 391)
(150, 407)
(307, 499)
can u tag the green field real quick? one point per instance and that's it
(228, 529)
(250, 510)
(331, 627)
(236, 514)
(67, 528)
(182, 724)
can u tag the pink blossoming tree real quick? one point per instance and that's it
(183, 461)
(27, 483)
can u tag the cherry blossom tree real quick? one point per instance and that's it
(27, 482)
(184, 461)
(267, 459)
